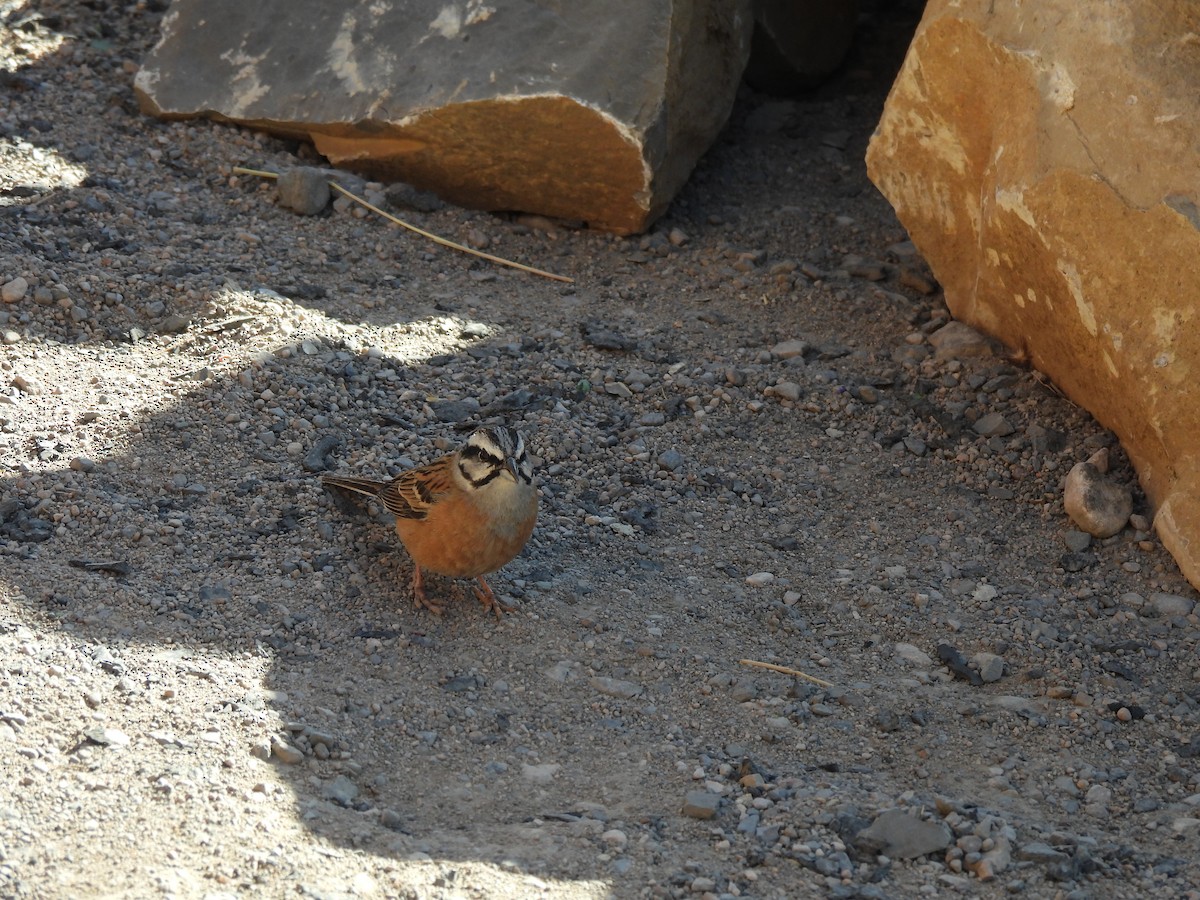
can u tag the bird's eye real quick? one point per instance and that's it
(474, 451)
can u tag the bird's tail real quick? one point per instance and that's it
(357, 485)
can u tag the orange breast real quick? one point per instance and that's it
(455, 539)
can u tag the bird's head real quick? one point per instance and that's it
(495, 452)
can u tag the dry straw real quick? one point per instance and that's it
(241, 170)
(786, 671)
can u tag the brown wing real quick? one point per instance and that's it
(411, 494)
(357, 485)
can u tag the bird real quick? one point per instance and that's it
(464, 515)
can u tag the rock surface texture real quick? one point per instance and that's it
(577, 111)
(1043, 158)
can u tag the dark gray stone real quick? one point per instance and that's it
(580, 111)
(304, 190)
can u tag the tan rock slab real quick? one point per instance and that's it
(1043, 159)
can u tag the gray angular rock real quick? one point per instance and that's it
(701, 804)
(616, 687)
(580, 111)
(993, 425)
(990, 666)
(670, 459)
(897, 834)
(958, 340)
(1039, 851)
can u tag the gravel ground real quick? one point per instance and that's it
(213, 682)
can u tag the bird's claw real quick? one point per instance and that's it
(489, 600)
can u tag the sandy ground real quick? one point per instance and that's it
(213, 682)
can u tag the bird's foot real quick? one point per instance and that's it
(418, 590)
(488, 599)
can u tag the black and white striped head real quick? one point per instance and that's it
(495, 452)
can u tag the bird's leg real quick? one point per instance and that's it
(488, 599)
(418, 589)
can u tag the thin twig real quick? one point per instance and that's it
(241, 170)
(786, 671)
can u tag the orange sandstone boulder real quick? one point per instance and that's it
(1043, 157)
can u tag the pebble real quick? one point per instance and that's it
(1169, 605)
(304, 190)
(1039, 852)
(406, 197)
(917, 281)
(990, 666)
(107, 737)
(286, 753)
(785, 390)
(1094, 502)
(175, 324)
(616, 687)
(318, 457)
(985, 593)
(615, 838)
(701, 805)
(539, 773)
(26, 385)
(744, 690)
(564, 671)
(83, 464)
(14, 291)
(958, 340)
(913, 654)
(1077, 541)
(993, 425)
(898, 835)
(760, 579)
(1045, 440)
(670, 460)
(790, 349)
